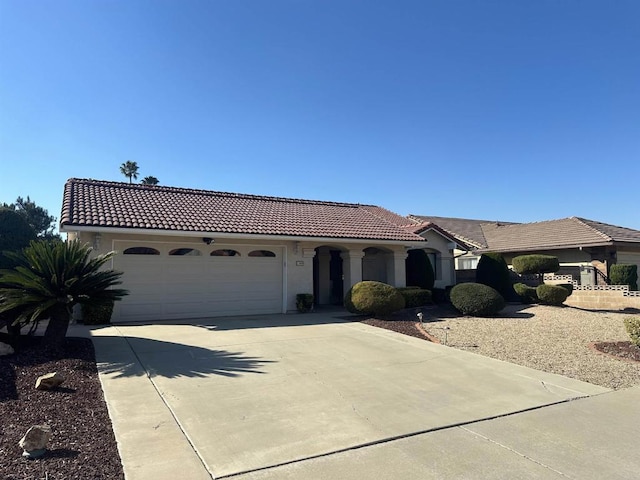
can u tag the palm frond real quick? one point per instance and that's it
(50, 276)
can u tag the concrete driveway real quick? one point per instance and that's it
(313, 396)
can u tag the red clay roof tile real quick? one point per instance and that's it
(93, 203)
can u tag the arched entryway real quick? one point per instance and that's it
(328, 275)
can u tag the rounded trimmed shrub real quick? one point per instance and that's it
(373, 298)
(622, 274)
(476, 299)
(567, 286)
(535, 264)
(415, 297)
(492, 270)
(419, 271)
(551, 294)
(526, 293)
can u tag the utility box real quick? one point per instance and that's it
(587, 275)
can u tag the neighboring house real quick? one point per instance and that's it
(440, 244)
(585, 248)
(192, 253)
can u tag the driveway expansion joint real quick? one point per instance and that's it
(394, 438)
(166, 404)
(516, 452)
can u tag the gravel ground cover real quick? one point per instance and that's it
(82, 445)
(563, 340)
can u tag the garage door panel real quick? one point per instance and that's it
(174, 287)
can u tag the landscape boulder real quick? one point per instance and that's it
(34, 442)
(49, 381)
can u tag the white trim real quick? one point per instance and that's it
(238, 236)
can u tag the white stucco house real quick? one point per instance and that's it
(188, 253)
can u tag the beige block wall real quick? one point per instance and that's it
(602, 300)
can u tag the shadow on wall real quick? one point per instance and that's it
(145, 357)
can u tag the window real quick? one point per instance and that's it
(224, 253)
(469, 263)
(262, 253)
(185, 251)
(141, 251)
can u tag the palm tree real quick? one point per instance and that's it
(129, 169)
(50, 278)
(150, 180)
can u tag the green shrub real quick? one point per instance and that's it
(551, 294)
(632, 325)
(526, 293)
(567, 286)
(419, 271)
(415, 297)
(97, 314)
(493, 271)
(622, 274)
(535, 264)
(373, 298)
(441, 295)
(476, 299)
(304, 302)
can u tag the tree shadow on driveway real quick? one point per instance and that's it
(133, 356)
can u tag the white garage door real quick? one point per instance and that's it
(167, 281)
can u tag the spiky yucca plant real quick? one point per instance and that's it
(50, 278)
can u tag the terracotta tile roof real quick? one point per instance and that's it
(93, 203)
(419, 228)
(465, 230)
(389, 216)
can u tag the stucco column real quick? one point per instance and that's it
(396, 269)
(324, 278)
(448, 271)
(351, 268)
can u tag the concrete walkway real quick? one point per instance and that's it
(314, 397)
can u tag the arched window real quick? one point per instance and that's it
(225, 253)
(262, 253)
(185, 251)
(141, 251)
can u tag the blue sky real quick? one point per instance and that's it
(500, 110)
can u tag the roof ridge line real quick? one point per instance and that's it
(212, 192)
(602, 234)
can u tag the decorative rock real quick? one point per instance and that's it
(6, 349)
(34, 442)
(49, 381)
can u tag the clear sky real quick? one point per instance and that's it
(513, 110)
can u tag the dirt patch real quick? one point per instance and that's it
(83, 444)
(623, 350)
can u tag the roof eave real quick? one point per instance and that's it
(544, 248)
(418, 242)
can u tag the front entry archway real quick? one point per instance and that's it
(328, 276)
